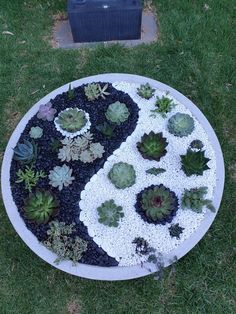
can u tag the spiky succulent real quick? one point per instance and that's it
(142, 246)
(194, 162)
(117, 112)
(41, 206)
(71, 120)
(158, 203)
(94, 91)
(175, 230)
(195, 199)
(30, 177)
(196, 144)
(145, 91)
(62, 242)
(164, 105)
(110, 214)
(106, 129)
(60, 176)
(25, 152)
(152, 146)
(36, 132)
(180, 124)
(71, 93)
(122, 175)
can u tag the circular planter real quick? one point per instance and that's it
(118, 272)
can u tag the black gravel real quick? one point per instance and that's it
(69, 197)
(139, 210)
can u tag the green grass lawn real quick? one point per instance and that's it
(195, 54)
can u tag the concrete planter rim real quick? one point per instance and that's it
(117, 272)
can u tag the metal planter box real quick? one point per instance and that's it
(105, 20)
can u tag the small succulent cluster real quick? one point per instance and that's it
(175, 230)
(142, 246)
(46, 112)
(163, 106)
(145, 91)
(71, 93)
(62, 242)
(110, 214)
(180, 124)
(117, 112)
(41, 206)
(71, 120)
(94, 90)
(106, 129)
(81, 148)
(36, 132)
(155, 171)
(26, 152)
(61, 177)
(29, 177)
(194, 162)
(152, 146)
(159, 203)
(122, 175)
(194, 199)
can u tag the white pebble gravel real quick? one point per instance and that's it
(117, 242)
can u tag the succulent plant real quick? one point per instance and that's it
(158, 203)
(62, 242)
(180, 124)
(71, 120)
(142, 246)
(152, 146)
(194, 199)
(122, 175)
(60, 176)
(194, 162)
(71, 93)
(97, 150)
(25, 152)
(145, 91)
(94, 91)
(109, 213)
(55, 144)
(175, 230)
(46, 112)
(41, 206)
(29, 177)
(36, 132)
(164, 105)
(155, 171)
(106, 129)
(117, 112)
(196, 144)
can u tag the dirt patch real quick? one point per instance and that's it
(73, 307)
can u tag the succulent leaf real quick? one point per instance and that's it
(194, 162)
(106, 129)
(122, 175)
(110, 213)
(164, 105)
(180, 124)
(61, 176)
(145, 91)
(117, 112)
(71, 120)
(155, 171)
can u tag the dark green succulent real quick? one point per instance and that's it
(109, 213)
(71, 120)
(41, 206)
(25, 152)
(180, 124)
(152, 146)
(159, 203)
(145, 91)
(196, 144)
(194, 199)
(194, 162)
(164, 105)
(175, 230)
(155, 171)
(122, 175)
(55, 144)
(142, 246)
(106, 129)
(71, 93)
(117, 112)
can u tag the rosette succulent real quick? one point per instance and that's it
(175, 230)
(117, 112)
(164, 105)
(122, 175)
(158, 203)
(196, 144)
(25, 152)
(180, 124)
(152, 146)
(194, 162)
(194, 199)
(36, 132)
(110, 214)
(71, 120)
(94, 91)
(60, 176)
(145, 91)
(41, 206)
(46, 112)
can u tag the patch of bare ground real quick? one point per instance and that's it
(73, 307)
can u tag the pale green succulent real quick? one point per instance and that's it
(181, 124)
(71, 120)
(117, 112)
(122, 175)
(110, 213)
(61, 176)
(94, 90)
(36, 132)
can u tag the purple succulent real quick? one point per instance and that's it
(46, 112)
